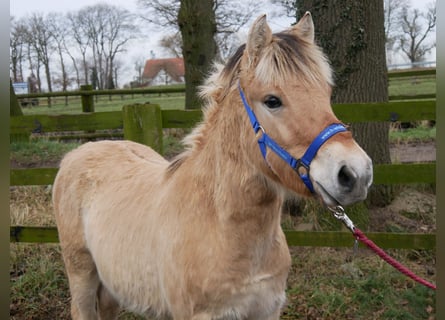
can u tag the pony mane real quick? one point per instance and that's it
(286, 57)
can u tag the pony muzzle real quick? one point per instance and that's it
(341, 176)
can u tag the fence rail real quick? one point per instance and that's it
(294, 238)
(383, 174)
(359, 112)
(87, 91)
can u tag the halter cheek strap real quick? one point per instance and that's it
(265, 141)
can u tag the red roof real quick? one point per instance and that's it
(174, 67)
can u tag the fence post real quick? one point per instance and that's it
(143, 124)
(87, 99)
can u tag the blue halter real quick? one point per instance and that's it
(265, 141)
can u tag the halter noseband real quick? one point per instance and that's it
(304, 162)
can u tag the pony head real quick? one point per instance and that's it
(287, 82)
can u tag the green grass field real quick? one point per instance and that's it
(412, 85)
(105, 103)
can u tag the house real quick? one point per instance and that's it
(163, 71)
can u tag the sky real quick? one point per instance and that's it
(140, 49)
(23, 7)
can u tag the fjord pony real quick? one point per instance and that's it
(200, 237)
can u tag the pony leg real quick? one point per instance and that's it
(107, 306)
(84, 283)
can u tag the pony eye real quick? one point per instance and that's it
(272, 102)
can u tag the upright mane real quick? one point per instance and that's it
(288, 56)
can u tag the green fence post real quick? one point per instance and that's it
(87, 99)
(143, 124)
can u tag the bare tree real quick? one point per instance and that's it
(230, 16)
(120, 30)
(392, 12)
(416, 26)
(161, 13)
(17, 49)
(107, 29)
(58, 30)
(172, 44)
(79, 35)
(201, 22)
(289, 6)
(42, 43)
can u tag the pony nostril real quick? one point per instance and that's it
(347, 178)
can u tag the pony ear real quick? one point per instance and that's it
(305, 27)
(259, 36)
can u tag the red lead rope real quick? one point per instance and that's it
(339, 213)
(361, 237)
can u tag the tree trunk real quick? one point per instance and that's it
(48, 81)
(352, 35)
(196, 20)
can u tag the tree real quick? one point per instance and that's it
(392, 13)
(196, 20)
(17, 49)
(227, 16)
(42, 42)
(352, 35)
(78, 33)
(58, 30)
(416, 26)
(172, 44)
(102, 30)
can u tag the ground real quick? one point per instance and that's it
(413, 152)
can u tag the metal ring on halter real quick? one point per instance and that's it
(301, 165)
(260, 128)
(339, 213)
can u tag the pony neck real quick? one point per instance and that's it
(230, 163)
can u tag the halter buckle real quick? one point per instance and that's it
(302, 169)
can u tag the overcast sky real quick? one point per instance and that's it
(23, 7)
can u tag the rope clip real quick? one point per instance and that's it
(339, 213)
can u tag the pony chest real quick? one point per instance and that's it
(262, 297)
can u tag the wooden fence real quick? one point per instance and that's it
(144, 123)
(86, 92)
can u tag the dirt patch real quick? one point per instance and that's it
(411, 211)
(413, 152)
(14, 164)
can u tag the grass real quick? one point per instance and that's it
(38, 153)
(326, 283)
(412, 85)
(323, 284)
(421, 133)
(106, 103)
(42, 152)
